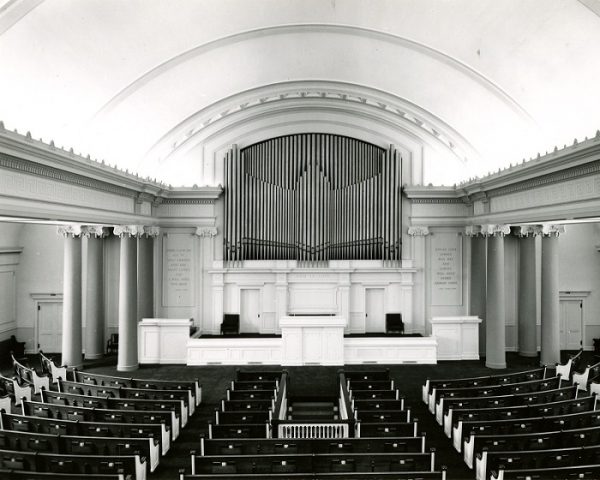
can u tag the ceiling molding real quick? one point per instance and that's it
(351, 30)
(13, 11)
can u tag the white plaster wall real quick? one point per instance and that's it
(9, 237)
(580, 270)
(40, 271)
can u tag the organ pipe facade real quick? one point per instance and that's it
(312, 198)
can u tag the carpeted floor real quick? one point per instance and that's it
(318, 382)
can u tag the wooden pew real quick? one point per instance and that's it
(461, 436)
(50, 368)
(134, 465)
(192, 386)
(591, 472)
(370, 384)
(535, 459)
(254, 385)
(169, 425)
(257, 375)
(13, 387)
(176, 406)
(527, 398)
(435, 475)
(563, 407)
(309, 463)
(530, 441)
(431, 386)
(6, 474)
(583, 379)
(29, 376)
(240, 430)
(80, 445)
(259, 446)
(367, 375)
(395, 429)
(126, 392)
(250, 394)
(568, 368)
(241, 417)
(375, 394)
(386, 416)
(377, 404)
(494, 390)
(247, 405)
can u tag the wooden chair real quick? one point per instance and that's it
(112, 345)
(231, 324)
(393, 323)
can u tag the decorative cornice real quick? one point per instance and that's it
(25, 166)
(495, 230)
(206, 231)
(188, 201)
(552, 230)
(528, 230)
(69, 230)
(437, 201)
(122, 231)
(96, 231)
(418, 231)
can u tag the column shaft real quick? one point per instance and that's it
(71, 325)
(477, 300)
(527, 298)
(550, 301)
(128, 320)
(495, 309)
(94, 304)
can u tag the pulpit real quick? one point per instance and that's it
(457, 337)
(312, 339)
(163, 340)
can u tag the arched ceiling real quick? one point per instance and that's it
(161, 87)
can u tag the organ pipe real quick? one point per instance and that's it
(312, 197)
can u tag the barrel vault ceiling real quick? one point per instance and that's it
(157, 86)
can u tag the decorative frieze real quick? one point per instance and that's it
(418, 231)
(206, 231)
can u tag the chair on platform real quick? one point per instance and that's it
(112, 346)
(393, 323)
(231, 324)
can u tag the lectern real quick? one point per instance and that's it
(312, 340)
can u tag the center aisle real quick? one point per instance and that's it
(320, 381)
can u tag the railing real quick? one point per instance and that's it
(314, 430)
(280, 406)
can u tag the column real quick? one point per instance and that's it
(207, 237)
(550, 353)
(495, 345)
(527, 290)
(145, 272)
(128, 320)
(71, 325)
(94, 291)
(418, 235)
(478, 280)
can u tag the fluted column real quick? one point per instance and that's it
(71, 324)
(527, 307)
(128, 320)
(94, 291)
(550, 353)
(145, 307)
(477, 285)
(495, 345)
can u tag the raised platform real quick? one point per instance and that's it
(269, 350)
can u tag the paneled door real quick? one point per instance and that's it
(249, 310)
(571, 324)
(374, 310)
(49, 326)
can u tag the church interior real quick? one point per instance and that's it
(299, 239)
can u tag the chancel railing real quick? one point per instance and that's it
(312, 198)
(313, 430)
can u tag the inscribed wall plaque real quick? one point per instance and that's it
(178, 271)
(446, 269)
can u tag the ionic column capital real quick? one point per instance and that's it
(69, 230)
(551, 230)
(529, 230)
(96, 231)
(473, 230)
(492, 230)
(418, 231)
(152, 231)
(122, 231)
(206, 231)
